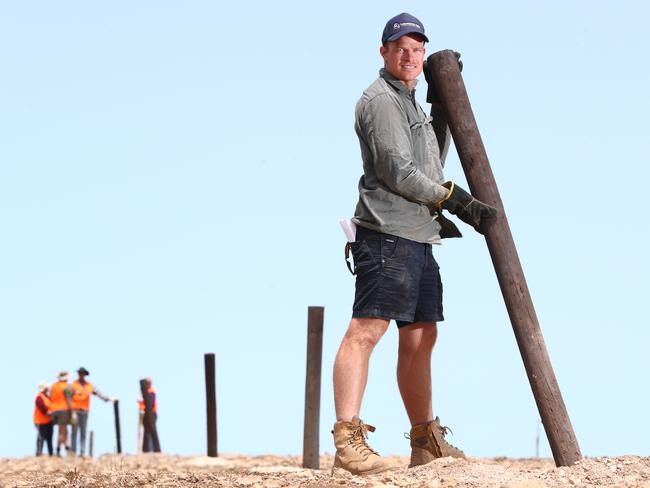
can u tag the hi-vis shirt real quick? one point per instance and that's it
(59, 391)
(402, 169)
(81, 395)
(42, 406)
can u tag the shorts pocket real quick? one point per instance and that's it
(364, 260)
(389, 247)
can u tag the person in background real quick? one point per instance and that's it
(148, 441)
(81, 391)
(61, 406)
(43, 419)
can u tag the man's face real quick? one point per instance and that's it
(404, 58)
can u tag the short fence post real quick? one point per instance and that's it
(118, 435)
(211, 403)
(138, 446)
(310, 452)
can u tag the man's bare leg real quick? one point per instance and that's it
(416, 343)
(428, 441)
(62, 437)
(351, 364)
(350, 376)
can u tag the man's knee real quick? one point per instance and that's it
(418, 337)
(366, 332)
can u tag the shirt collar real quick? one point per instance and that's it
(395, 83)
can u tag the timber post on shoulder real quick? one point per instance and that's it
(311, 448)
(150, 432)
(444, 73)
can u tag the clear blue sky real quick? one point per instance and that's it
(172, 174)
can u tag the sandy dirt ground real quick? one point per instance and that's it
(163, 470)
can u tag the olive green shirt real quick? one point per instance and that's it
(402, 168)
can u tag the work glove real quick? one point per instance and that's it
(432, 95)
(465, 206)
(447, 228)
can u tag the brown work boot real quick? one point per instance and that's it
(428, 443)
(353, 452)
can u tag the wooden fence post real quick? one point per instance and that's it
(138, 448)
(444, 72)
(118, 435)
(310, 452)
(211, 404)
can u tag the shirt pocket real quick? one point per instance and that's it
(425, 146)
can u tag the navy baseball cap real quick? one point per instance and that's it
(400, 25)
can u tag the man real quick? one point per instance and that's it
(398, 218)
(81, 391)
(60, 394)
(43, 419)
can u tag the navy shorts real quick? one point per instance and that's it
(397, 279)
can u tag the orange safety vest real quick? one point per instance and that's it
(141, 404)
(81, 395)
(41, 418)
(57, 396)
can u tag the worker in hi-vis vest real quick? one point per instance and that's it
(81, 391)
(43, 419)
(61, 407)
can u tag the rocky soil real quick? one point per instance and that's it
(163, 470)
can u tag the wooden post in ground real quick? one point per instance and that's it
(150, 432)
(310, 452)
(211, 404)
(118, 435)
(90, 443)
(444, 72)
(138, 448)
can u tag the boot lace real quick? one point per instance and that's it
(357, 440)
(444, 431)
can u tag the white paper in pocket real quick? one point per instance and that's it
(349, 229)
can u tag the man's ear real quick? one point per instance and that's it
(383, 51)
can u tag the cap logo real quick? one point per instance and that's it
(399, 25)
